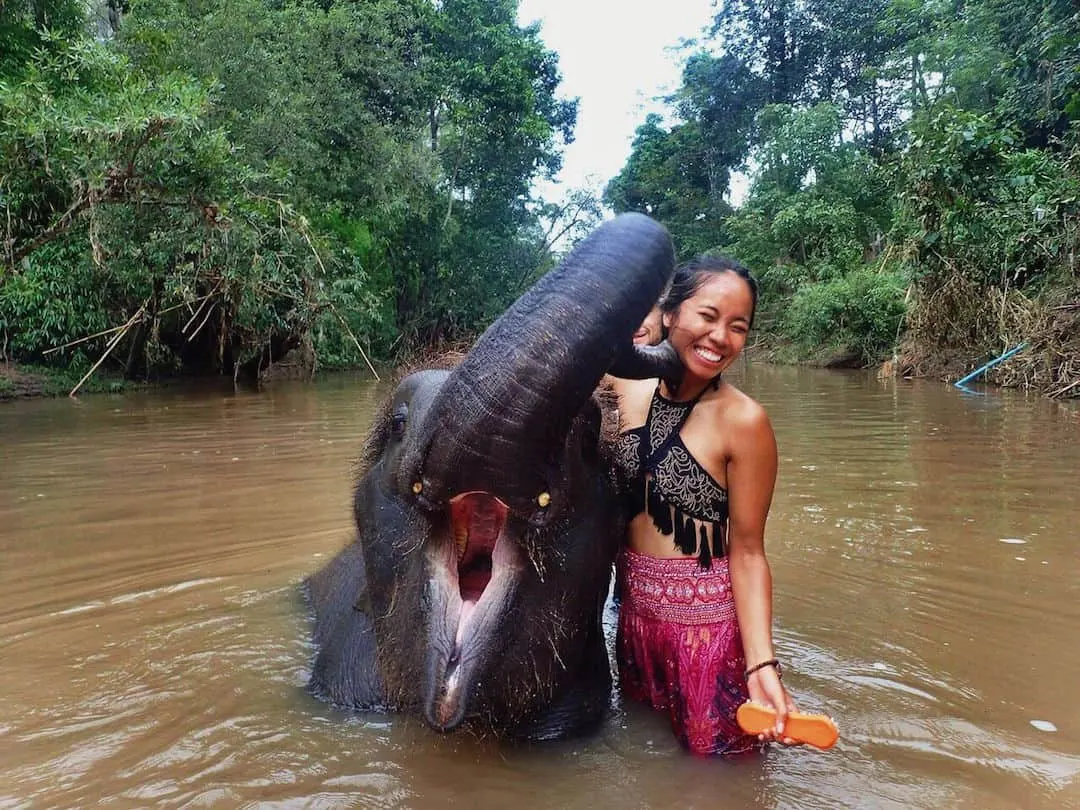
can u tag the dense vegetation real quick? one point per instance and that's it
(915, 172)
(204, 186)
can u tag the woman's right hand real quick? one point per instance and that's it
(766, 688)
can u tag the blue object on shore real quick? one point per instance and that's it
(960, 383)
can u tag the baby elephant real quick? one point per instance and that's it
(486, 516)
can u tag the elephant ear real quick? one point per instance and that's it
(645, 362)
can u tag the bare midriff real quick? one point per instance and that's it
(643, 537)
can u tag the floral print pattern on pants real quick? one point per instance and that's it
(679, 649)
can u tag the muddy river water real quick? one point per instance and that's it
(153, 645)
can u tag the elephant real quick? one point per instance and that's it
(487, 519)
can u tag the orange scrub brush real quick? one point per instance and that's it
(816, 729)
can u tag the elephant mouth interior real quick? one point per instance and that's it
(477, 519)
(481, 568)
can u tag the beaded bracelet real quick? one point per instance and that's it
(772, 662)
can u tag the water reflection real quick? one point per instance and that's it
(153, 647)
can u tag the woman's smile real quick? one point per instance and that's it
(708, 355)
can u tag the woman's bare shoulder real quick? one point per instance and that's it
(738, 410)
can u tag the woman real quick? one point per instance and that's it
(699, 466)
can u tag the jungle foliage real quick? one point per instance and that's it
(204, 186)
(914, 176)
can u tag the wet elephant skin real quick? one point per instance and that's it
(486, 520)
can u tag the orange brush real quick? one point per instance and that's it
(816, 729)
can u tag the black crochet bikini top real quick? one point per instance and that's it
(661, 477)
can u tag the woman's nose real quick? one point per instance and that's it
(719, 335)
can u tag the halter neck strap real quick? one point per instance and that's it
(712, 384)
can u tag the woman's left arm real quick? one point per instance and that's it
(751, 478)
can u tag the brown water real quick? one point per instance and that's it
(153, 647)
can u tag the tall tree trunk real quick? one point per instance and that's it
(777, 53)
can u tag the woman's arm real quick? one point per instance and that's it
(751, 478)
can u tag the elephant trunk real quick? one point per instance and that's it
(500, 419)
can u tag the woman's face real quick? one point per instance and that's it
(651, 330)
(709, 328)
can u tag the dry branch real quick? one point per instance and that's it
(138, 316)
(360, 348)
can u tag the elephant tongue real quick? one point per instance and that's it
(486, 566)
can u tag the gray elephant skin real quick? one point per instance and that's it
(486, 518)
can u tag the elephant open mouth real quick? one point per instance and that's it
(480, 567)
(477, 519)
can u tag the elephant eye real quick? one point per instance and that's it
(398, 419)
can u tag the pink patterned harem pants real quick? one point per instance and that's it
(679, 649)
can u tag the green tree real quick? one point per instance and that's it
(668, 177)
(494, 122)
(324, 99)
(721, 96)
(776, 40)
(115, 185)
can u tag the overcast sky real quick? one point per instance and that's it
(617, 57)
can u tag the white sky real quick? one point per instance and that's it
(617, 57)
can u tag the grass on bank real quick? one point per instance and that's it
(25, 382)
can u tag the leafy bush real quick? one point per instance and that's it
(860, 311)
(976, 201)
(818, 232)
(58, 298)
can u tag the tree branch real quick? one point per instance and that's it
(119, 190)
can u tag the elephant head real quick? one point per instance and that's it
(486, 519)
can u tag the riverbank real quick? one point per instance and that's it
(33, 382)
(30, 382)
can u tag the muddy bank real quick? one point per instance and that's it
(16, 383)
(30, 382)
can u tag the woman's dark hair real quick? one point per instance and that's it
(690, 275)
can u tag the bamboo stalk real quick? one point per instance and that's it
(201, 301)
(1064, 390)
(209, 312)
(112, 345)
(357, 342)
(83, 339)
(344, 324)
(183, 304)
(117, 328)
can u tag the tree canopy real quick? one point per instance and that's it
(203, 186)
(212, 184)
(913, 175)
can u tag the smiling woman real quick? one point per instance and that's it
(698, 465)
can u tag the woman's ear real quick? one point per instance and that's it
(665, 319)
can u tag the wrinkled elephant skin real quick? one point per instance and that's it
(486, 518)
